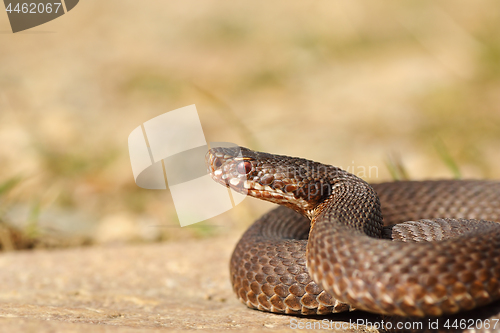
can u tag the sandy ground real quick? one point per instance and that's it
(153, 287)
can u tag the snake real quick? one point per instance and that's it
(337, 243)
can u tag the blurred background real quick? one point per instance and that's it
(410, 89)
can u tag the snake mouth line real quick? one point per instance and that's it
(265, 192)
(251, 188)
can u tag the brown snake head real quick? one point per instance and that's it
(293, 182)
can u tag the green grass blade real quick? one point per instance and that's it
(396, 167)
(9, 184)
(446, 157)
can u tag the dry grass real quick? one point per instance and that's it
(346, 83)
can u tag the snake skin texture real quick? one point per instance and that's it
(327, 249)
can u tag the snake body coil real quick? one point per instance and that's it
(333, 255)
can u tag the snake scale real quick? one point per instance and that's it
(327, 248)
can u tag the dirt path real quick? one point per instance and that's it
(153, 287)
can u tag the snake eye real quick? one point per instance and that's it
(217, 163)
(244, 167)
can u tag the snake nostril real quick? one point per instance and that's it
(244, 167)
